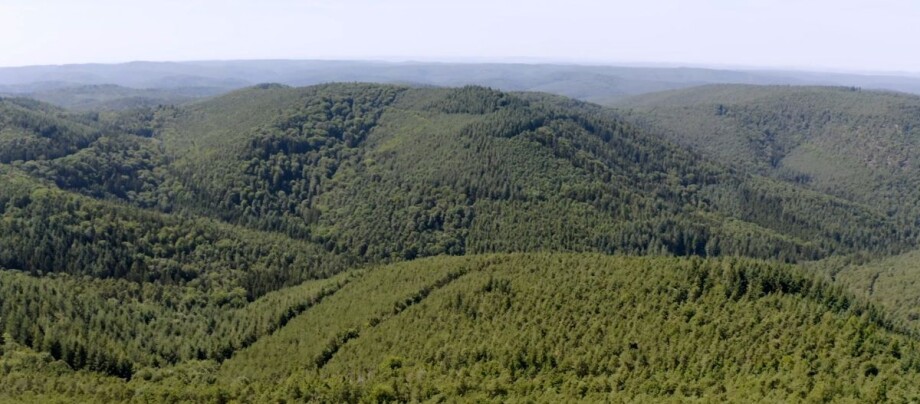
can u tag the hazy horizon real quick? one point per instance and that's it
(396, 60)
(841, 36)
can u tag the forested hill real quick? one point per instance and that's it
(536, 327)
(855, 144)
(179, 246)
(31, 130)
(389, 172)
(377, 172)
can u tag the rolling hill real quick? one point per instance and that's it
(891, 281)
(31, 130)
(354, 242)
(858, 145)
(854, 144)
(476, 164)
(387, 172)
(500, 328)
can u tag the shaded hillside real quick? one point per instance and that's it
(859, 145)
(475, 170)
(388, 172)
(30, 130)
(46, 230)
(109, 287)
(546, 327)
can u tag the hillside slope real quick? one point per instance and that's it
(547, 327)
(392, 172)
(32, 130)
(858, 145)
(892, 282)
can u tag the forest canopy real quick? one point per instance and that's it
(369, 242)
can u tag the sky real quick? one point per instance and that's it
(838, 35)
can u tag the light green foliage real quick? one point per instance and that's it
(118, 327)
(549, 327)
(892, 282)
(594, 328)
(312, 339)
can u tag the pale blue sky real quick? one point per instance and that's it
(855, 35)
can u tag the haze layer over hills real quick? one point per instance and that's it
(168, 82)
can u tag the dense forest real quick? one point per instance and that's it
(539, 326)
(854, 144)
(270, 244)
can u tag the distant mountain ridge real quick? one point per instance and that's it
(602, 84)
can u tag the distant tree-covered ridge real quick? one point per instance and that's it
(855, 144)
